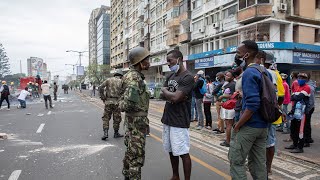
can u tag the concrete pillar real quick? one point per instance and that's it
(204, 49)
(215, 44)
(274, 32)
(221, 42)
(288, 37)
(209, 46)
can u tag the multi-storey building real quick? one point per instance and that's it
(35, 66)
(287, 28)
(93, 36)
(117, 41)
(103, 36)
(99, 36)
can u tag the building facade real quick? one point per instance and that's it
(117, 41)
(35, 66)
(99, 36)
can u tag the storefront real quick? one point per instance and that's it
(289, 57)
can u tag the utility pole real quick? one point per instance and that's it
(80, 54)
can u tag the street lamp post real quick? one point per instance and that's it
(80, 54)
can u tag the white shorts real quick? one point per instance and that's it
(176, 140)
(227, 113)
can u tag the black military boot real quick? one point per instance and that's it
(116, 134)
(126, 178)
(105, 135)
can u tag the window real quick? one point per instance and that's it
(196, 4)
(231, 11)
(175, 12)
(317, 36)
(196, 49)
(318, 4)
(247, 3)
(197, 25)
(231, 41)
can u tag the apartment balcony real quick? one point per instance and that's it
(303, 12)
(172, 41)
(185, 37)
(171, 4)
(185, 16)
(173, 22)
(255, 13)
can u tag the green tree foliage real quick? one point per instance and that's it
(14, 78)
(98, 73)
(4, 62)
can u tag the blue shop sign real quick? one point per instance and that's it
(280, 45)
(205, 54)
(204, 63)
(306, 58)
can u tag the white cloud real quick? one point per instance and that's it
(46, 29)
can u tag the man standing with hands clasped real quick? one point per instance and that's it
(177, 91)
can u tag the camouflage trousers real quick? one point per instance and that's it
(135, 140)
(109, 110)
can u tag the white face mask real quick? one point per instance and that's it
(175, 68)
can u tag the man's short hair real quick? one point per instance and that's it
(176, 54)
(54, 83)
(251, 46)
(261, 54)
(45, 81)
(26, 88)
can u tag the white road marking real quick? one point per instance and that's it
(39, 115)
(40, 128)
(15, 175)
(49, 112)
(310, 176)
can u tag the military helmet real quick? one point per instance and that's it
(138, 54)
(118, 72)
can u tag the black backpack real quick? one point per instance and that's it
(5, 91)
(269, 107)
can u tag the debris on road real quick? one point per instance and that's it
(3, 136)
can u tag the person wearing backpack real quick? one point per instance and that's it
(199, 94)
(249, 134)
(5, 92)
(217, 92)
(300, 108)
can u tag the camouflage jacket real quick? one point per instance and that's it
(109, 90)
(134, 93)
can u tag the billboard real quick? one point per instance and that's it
(36, 66)
(80, 70)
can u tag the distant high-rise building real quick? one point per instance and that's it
(99, 36)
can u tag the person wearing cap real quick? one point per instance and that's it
(109, 94)
(199, 98)
(134, 101)
(5, 92)
(298, 113)
(286, 102)
(177, 91)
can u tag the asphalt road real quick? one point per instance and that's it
(64, 144)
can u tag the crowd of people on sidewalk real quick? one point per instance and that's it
(237, 95)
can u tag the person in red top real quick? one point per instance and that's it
(300, 100)
(285, 126)
(294, 78)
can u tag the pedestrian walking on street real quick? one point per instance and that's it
(5, 92)
(286, 125)
(177, 91)
(45, 88)
(248, 138)
(109, 92)
(55, 90)
(194, 113)
(134, 101)
(199, 97)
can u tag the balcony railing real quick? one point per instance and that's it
(173, 22)
(172, 41)
(255, 12)
(185, 37)
(185, 16)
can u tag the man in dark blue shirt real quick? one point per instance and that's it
(249, 134)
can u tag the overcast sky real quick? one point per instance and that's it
(46, 29)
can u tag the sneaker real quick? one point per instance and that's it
(310, 141)
(19, 106)
(297, 150)
(148, 135)
(224, 143)
(219, 132)
(208, 127)
(198, 128)
(216, 129)
(8, 109)
(290, 147)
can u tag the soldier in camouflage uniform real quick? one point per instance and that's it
(109, 93)
(134, 102)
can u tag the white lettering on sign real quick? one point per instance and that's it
(266, 45)
(233, 49)
(311, 55)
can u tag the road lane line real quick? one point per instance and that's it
(49, 113)
(40, 128)
(15, 175)
(204, 164)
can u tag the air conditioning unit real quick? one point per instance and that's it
(201, 30)
(283, 7)
(215, 25)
